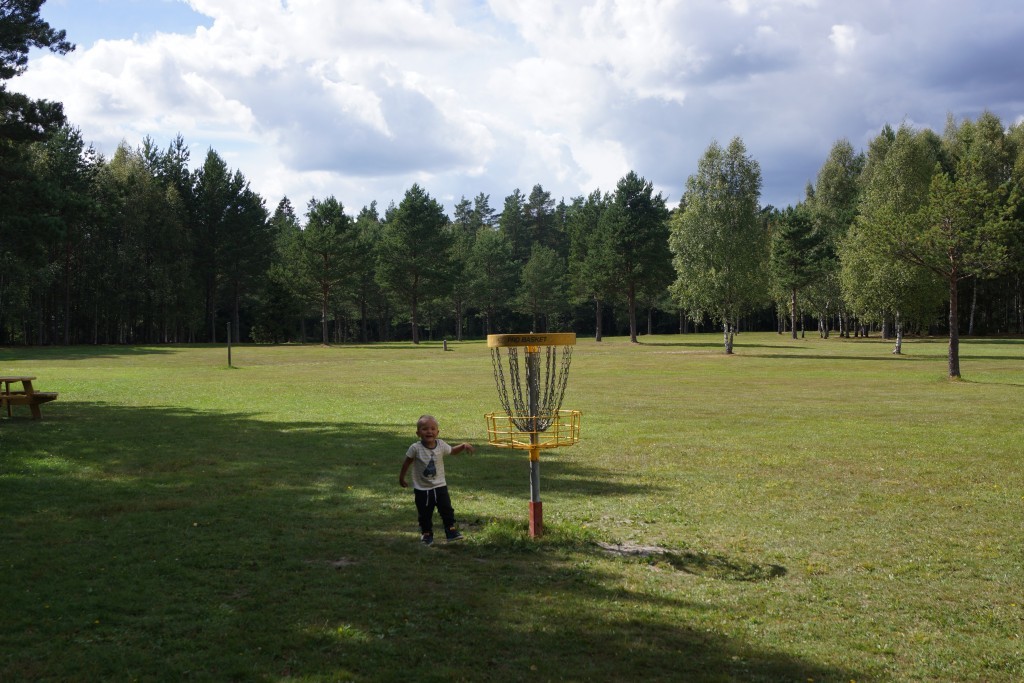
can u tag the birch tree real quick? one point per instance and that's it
(718, 241)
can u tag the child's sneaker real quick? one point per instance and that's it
(427, 539)
(453, 534)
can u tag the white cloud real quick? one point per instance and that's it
(844, 38)
(360, 99)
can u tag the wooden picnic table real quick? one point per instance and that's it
(26, 396)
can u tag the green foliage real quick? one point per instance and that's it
(795, 255)
(542, 226)
(463, 228)
(635, 228)
(593, 272)
(141, 248)
(836, 194)
(542, 288)
(795, 248)
(512, 223)
(942, 206)
(832, 203)
(718, 242)
(326, 251)
(413, 253)
(494, 275)
(878, 288)
(369, 296)
(21, 29)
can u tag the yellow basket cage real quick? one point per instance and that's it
(563, 430)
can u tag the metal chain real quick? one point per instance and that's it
(556, 379)
(519, 402)
(499, 377)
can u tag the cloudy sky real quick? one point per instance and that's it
(362, 98)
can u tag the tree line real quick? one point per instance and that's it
(142, 248)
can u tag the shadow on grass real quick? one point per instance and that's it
(508, 472)
(905, 357)
(722, 567)
(989, 382)
(1007, 341)
(73, 353)
(712, 345)
(821, 357)
(715, 566)
(168, 544)
(113, 351)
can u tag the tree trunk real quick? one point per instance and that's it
(650, 321)
(792, 310)
(899, 336)
(597, 319)
(974, 307)
(364, 331)
(415, 327)
(235, 315)
(211, 307)
(631, 293)
(458, 320)
(728, 333)
(324, 332)
(67, 293)
(1019, 301)
(954, 328)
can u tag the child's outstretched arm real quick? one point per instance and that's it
(462, 447)
(405, 468)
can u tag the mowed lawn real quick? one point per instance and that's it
(822, 509)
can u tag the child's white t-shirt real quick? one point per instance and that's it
(428, 464)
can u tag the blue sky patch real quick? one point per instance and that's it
(87, 21)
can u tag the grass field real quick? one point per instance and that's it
(829, 512)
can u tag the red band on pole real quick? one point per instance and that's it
(536, 519)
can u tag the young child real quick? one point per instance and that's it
(426, 457)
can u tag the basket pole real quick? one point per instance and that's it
(533, 384)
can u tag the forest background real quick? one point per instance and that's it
(141, 248)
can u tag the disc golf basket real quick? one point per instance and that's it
(531, 396)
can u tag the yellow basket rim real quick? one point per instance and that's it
(545, 339)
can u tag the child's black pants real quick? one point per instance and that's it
(426, 501)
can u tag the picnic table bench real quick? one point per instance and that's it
(26, 396)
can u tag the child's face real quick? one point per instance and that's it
(427, 430)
